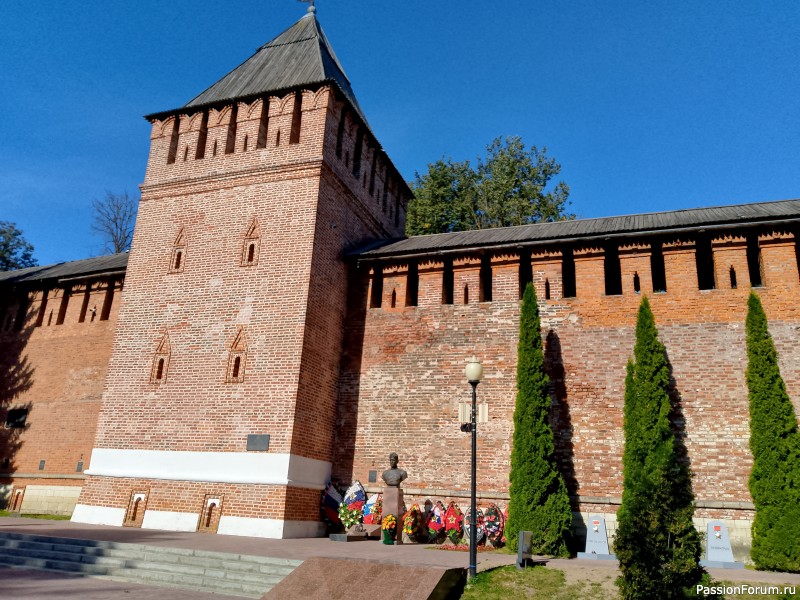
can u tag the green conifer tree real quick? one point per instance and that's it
(539, 501)
(775, 444)
(656, 542)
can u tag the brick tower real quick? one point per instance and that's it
(219, 405)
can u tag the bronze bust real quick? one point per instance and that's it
(393, 476)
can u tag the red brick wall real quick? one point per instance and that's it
(402, 375)
(60, 370)
(290, 304)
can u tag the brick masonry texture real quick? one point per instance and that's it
(402, 376)
(56, 369)
(344, 360)
(289, 304)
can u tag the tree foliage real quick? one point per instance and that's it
(506, 188)
(539, 501)
(656, 542)
(775, 444)
(15, 251)
(114, 218)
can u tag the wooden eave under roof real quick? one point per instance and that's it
(100, 266)
(783, 212)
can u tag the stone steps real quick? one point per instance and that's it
(201, 570)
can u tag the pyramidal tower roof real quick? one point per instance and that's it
(301, 56)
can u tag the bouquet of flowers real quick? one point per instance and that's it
(349, 516)
(412, 523)
(388, 527)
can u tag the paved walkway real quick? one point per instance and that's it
(36, 584)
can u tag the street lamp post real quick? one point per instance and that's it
(474, 371)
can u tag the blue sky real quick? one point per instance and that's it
(647, 106)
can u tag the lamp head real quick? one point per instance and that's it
(474, 370)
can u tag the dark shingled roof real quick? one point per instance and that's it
(67, 270)
(299, 57)
(562, 231)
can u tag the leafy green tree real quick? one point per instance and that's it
(657, 544)
(539, 501)
(15, 251)
(775, 444)
(506, 188)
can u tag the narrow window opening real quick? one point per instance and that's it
(42, 309)
(485, 290)
(377, 288)
(263, 125)
(732, 274)
(173, 141)
(85, 304)
(466, 294)
(412, 285)
(251, 253)
(230, 142)
(394, 298)
(278, 138)
(135, 509)
(704, 259)
(237, 363)
(178, 258)
(214, 150)
(185, 153)
(547, 289)
(568, 273)
(612, 271)
(22, 312)
(16, 418)
(447, 282)
(160, 370)
(62, 309)
(202, 137)
(340, 133)
(244, 146)
(357, 153)
(297, 117)
(107, 301)
(525, 273)
(372, 173)
(797, 252)
(657, 269)
(210, 515)
(637, 285)
(397, 212)
(754, 260)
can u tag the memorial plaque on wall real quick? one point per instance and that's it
(718, 547)
(596, 540)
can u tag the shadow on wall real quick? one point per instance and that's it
(683, 481)
(16, 377)
(350, 377)
(561, 420)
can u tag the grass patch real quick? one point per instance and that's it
(5, 513)
(508, 583)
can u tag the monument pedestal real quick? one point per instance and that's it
(393, 505)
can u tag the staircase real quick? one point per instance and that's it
(216, 572)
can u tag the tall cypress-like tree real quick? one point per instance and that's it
(775, 443)
(657, 544)
(539, 501)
